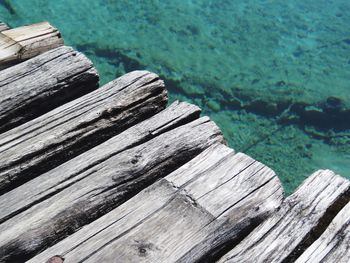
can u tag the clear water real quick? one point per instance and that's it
(274, 75)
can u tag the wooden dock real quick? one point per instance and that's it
(113, 174)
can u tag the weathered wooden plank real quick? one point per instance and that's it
(46, 185)
(304, 214)
(333, 245)
(38, 85)
(25, 42)
(3, 26)
(63, 133)
(189, 216)
(103, 187)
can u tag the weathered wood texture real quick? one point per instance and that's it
(53, 138)
(3, 26)
(211, 201)
(54, 181)
(40, 84)
(103, 187)
(334, 244)
(25, 42)
(301, 218)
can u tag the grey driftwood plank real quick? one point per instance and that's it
(54, 181)
(25, 42)
(103, 187)
(3, 26)
(63, 133)
(188, 216)
(40, 84)
(333, 245)
(283, 236)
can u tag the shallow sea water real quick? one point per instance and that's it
(274, 75)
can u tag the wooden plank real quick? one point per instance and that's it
(25, 42)
(333, 245)
(3, 26)
(54, 181)
(8, 50)
(43, 83)
(63, 133)
(304, 214)
(189, 216)
(103, 187)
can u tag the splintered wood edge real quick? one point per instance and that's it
(288, 232)
(333, 244)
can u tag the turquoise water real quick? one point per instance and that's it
(274, 75)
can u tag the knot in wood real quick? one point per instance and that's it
(135, 159)
(142, 250)
(55, 259)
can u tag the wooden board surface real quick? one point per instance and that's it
(334, 244)
(9, 49)
(25, 42)
(54, 181)
(61, 134)
(189, 216)
(302, 216)
(38, 85)
(103, 187)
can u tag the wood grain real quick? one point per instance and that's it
(43, 83)
(189, 216)
(25, 42)
(102, 188)
(54, 181)
(63, 133)
(302, 216)
(333, 245)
